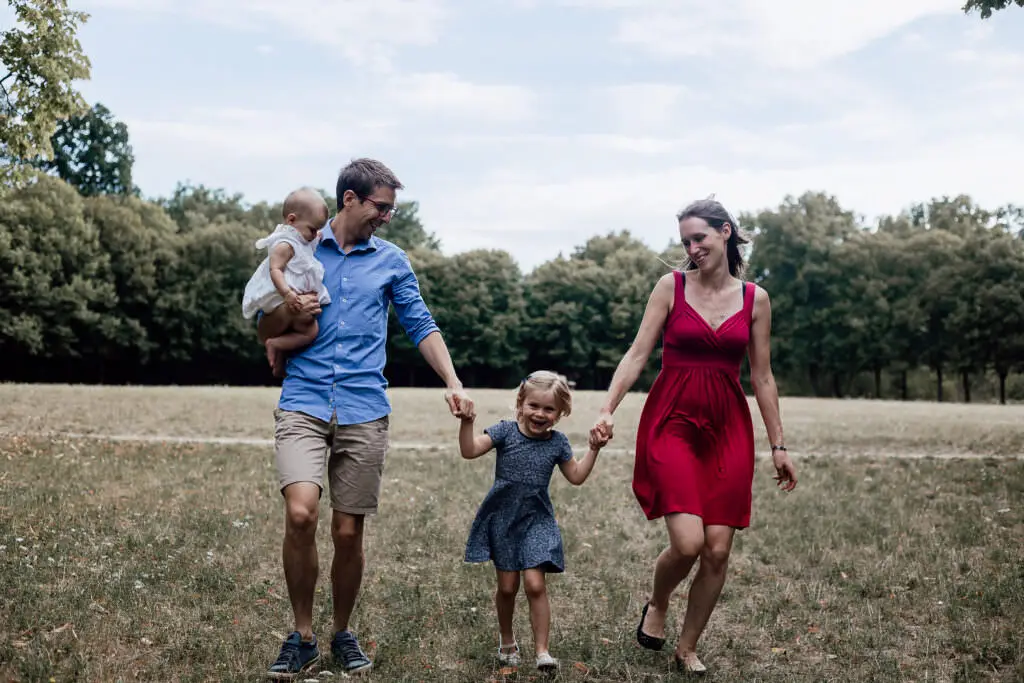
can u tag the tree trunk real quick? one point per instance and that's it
(965, 380)
(812, 374)
(1002, 387)
(938, 372)
(903, 385)
(837, 385)
(878, 382)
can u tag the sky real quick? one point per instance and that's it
(532, 125)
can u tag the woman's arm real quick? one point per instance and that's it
(765, 390)
(634, 360)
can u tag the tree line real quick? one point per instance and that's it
(103, 285)
(115, 288)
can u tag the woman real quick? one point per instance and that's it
(695, 440)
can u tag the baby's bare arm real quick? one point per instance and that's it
(280, 255)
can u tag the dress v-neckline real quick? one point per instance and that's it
(698, 315)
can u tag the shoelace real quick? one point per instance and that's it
(288, 656)
(350, 649)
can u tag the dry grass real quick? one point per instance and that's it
(813, 426)
(125, 561)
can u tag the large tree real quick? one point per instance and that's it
(92, 153)
(40, 58)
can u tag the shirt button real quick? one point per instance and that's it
(339, 347)
(337, 368)
(342, 323)
(344, 301)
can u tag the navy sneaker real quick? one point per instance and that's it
(296, 657)
(346, 651)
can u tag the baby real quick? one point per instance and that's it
(290, 268)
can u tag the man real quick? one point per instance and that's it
(333, 403)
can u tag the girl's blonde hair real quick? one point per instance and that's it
(545, 380)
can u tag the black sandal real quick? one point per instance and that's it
(647, 641)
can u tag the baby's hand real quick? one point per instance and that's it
(291, 299)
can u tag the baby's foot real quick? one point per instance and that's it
(275, 357)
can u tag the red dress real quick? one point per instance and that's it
(695, 439)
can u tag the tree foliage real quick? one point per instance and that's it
(40, 58)
(986, 7)
(91, 152)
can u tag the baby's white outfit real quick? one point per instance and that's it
(304, 272)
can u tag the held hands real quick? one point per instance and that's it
(460, 404)
(603, 429)
(785, 472)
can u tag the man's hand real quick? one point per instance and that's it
(309, 303)
(459, 403)
(292, 301)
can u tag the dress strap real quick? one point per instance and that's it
(680, 293)
(749, 289)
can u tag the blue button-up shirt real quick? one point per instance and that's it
(342, 372)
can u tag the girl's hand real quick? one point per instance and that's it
(597, 440)
(785, 472)
(604, 428)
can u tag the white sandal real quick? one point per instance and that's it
(545, 662)
(508, 658)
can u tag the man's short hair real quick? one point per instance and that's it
(363, 176)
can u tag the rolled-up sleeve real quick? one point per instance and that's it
(412, 311)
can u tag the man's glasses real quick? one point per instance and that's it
(383, 208)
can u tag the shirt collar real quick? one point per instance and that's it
(365, 245)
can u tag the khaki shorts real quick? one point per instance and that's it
(353, 456)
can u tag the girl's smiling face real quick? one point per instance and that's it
(539, 412)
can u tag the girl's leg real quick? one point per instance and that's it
(706, 588)
(540, 609)
(505, 604)
(686, 538)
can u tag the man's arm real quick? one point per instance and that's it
(419, 325)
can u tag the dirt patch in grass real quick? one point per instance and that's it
(813, 426)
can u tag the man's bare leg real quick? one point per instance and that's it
(298, 552)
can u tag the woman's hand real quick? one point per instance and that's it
(785, 472)
(603, 428)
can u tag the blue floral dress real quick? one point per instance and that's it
(515, 525)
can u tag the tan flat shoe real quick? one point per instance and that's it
(693, 666)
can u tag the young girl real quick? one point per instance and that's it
(290, 268)
(515, 526)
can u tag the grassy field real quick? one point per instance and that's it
(160, 561)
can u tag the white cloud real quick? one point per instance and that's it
(534, 214)
(249, 134)
(783, 33)
(449, 95)
(643, 106)
(364, 32)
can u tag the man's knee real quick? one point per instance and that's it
(347, 531)
(301, 510)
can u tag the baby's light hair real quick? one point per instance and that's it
(545, 380)
(306, 203)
